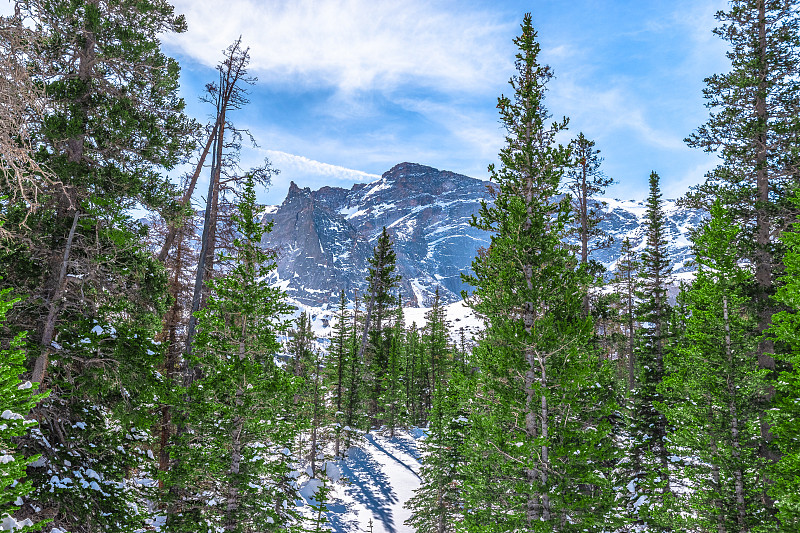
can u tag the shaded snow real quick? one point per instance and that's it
(381, 475)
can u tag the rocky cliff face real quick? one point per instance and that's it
(325, 237)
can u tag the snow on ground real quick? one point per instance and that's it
(323, 318)
(380, 475)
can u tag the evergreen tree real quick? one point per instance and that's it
(437, 505)
(301, 347)
(337, 370)
(627, 285)
(540, 443)
(415, 376)
(376, 338)
(649, 426)
(435, 343)
(16, 401)
(393, 401)
(753, 128)
(354, 392)
(232, 460)
(585, 181)
(712, 386)
(113, 126)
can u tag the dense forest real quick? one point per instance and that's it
(152, 378)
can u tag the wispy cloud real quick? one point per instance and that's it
(351, 44)
(303, 166)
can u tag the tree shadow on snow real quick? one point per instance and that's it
(390, 455)
(368, 486)
(406, 446)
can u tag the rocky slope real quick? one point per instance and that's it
(325, 237)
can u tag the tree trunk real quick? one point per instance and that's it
(232, 507)
(543, 471)
(75, 148)
(738, 475)
(173, 355)
(763, 267)
(53, 308)
(172, 229)
(209, 237)
(715, 480)
(533, 505)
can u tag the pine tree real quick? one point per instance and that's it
(712, 383)
(786, 416)
(354, 392)
(626, 281)
(393, 400)
(301, 347)
(753, 128)
(585, 181)
(437, 505)
(533, 467)
(233, 457)
(337, 370)
(375, 343)
(415, 376)
(113, 126)
(649, 429)
(435, 340)
(16, 402)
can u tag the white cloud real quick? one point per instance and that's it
(352, 44)
(303, 166)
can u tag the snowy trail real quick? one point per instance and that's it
(383, 474)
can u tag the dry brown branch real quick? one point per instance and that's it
(22, 105)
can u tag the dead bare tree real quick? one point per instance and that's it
(21, 105)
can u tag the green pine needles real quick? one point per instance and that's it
(235, 454)
(540, 383)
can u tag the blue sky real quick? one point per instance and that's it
(349, 88)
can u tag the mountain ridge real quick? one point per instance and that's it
(324, 238)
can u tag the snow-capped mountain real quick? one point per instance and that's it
(324, 238)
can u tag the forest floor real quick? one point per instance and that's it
(378, 476)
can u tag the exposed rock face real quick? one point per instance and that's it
(324, 238)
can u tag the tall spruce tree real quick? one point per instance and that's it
(753, 127)
(337, 368)
(435, 344)
(437, 505)
(585, 181)
(376, 338)
(111, 128)
(354, 413)
(540, 445)
(626, 282)
(414, 378)
(649, 426)
(393, 399)
(231, 460)
(712, 386)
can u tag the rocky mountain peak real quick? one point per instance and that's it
(296, 193)
(325, 237)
